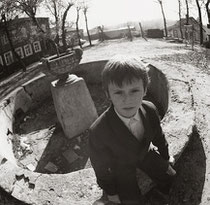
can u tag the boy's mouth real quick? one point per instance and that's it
(128, 108)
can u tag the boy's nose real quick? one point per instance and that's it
(126, 98)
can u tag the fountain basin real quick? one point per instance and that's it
(80, 187)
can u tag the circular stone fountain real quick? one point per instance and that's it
(40, 165)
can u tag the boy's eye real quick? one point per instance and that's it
(135, 91)
(118, 92)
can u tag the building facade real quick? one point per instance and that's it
(109, 34)
(154, 33)
(71, 36)
(192, 29)
(26, 39)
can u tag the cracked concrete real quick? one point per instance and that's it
(77, 187)
(80, 187)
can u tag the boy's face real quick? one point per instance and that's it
(128, 98)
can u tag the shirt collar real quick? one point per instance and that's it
(127, 120)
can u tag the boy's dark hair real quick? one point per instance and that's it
(121, 69)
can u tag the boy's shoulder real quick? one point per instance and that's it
(149, 105)
(151, 109)
(100, 122)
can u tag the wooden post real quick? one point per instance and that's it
(142, 32)
(130, 37)
(192, 37)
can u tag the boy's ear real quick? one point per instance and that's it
(145, 92)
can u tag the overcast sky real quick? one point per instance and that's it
(109, 12)
(114, 11)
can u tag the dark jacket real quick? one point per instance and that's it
(113, 147)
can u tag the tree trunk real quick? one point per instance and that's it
(200, 22)
(187, 15)
(164, 18)
(63, 26)
(208, 10)
(130, 37)
(208, 15)
(86, 23)
(187, 21)
(57, 30)
(77, 28)
(56, 19)
(180, 23)
(11, 44)
(101, 33)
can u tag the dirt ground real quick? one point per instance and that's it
(191, 184)
(39, 141)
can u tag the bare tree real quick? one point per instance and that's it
(85, 9)
(59, 9)
(55, 7)
(9, 9)
(200, 21)
(164, 18)
(70, 4)
(30, 8)
(180, 23)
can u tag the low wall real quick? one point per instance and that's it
(27, 96)
(158, 90)
(33, 92)
(80, 187)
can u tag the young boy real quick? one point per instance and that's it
(128, 135)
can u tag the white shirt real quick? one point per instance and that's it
(134, 124)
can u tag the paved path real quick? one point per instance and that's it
(8, 84)
(200, 82)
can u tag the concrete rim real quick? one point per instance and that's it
(26, 185)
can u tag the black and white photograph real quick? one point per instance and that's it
(104, 102)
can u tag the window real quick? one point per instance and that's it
(28, 50)
(1, 61)
(8, 58)
(37, 47)
(24, 32)
(19, 51)
(4, 40)
(44, 28)
(175, 33)
(33, 30)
